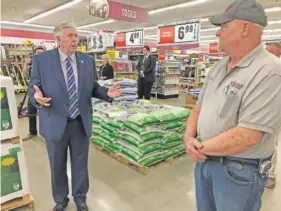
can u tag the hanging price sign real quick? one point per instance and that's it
(179, 33)
(128, 39)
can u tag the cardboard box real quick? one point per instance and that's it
(9, 115)
(190, 100)
(14, 178)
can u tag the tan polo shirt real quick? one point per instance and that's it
(248, 95)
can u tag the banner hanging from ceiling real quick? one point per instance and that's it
(179, 35)
(118, 11)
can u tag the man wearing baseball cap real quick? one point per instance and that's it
(274, 48)
(236, 115)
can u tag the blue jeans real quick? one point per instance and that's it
(222, 187)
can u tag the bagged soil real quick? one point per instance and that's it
(141, 119)
(109, 128)
(165, 115)
(181, 113)
(171, 145)
(172, 126)
(99, 141)
(174, 152)
(151, 160)
(115, 124)
(172, 137)
(113, 148)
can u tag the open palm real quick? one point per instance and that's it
(114, 91)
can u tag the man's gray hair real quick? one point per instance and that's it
(59, 29)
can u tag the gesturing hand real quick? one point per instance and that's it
(38, 96)
(114, 91)
(192, 146)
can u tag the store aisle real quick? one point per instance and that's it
(115, 187)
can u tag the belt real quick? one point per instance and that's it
(71, 120)
(238, 163)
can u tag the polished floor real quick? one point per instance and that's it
(115, 187)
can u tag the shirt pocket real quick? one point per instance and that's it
(228, 105)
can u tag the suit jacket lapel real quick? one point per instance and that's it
(81, 75)
(57, 67)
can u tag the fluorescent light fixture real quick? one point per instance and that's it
(204, 19)
(56, 9)
(209, 41)
(35, 25)
(151, 27)
(273, 9)
(26, 24)
(96, 24)
(274, 22)
(176, 6)
(210, 29)
(208, 36)
(272, 36)
(151, 35)
(271, 30)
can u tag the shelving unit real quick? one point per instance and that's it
(167, 80)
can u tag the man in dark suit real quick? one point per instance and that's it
(64, 82)
(106, 70)
(146, 69)
(32, 111)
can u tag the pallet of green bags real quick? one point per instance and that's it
(166, 157)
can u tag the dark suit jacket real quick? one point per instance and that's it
(107, 71)
(148, 67)
(47, 74)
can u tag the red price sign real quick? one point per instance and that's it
(121, 40)
(179, 33)
(129, 39)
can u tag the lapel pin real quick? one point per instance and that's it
(82, 61)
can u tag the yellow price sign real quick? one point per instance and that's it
(111, 54)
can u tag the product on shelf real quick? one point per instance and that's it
(14, 181)
(9, 122)
(140, 131)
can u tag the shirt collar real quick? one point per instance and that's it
(63, 56)
(247, 60)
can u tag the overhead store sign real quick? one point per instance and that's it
(118, 11)
(129, 39)
(184, 34)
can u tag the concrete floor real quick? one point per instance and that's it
(115, 187)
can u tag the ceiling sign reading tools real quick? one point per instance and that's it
(118, 11)
(129, 39)
(179, 34)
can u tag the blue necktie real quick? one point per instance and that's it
(72, 91)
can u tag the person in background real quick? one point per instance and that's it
(106, 70)
(275, 49)
(32, 111)
(146, 69)
(62, 84)
(231, 132)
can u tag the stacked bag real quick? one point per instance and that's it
(141, 132)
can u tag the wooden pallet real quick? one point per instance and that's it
(26, 200)
(15, 140)
(133, 165)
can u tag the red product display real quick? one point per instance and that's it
(167, 35)
(121, 40)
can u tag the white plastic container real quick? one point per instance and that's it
(9, 116)
(14, 178)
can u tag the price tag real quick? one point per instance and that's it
(122, 55)
(134, 38)
(186, 32)
(183, 32)
(129, 39)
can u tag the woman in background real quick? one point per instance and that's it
(106, 70)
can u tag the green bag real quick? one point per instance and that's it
(165, 115)
(115, 124)
(141, 119)
(172, 137)
(135, 128)
(113, 148)
(100, 142)
(152, 136)
(109, 128)
(127, 152)
(171, 145)
(97, 131)
(97, 120)
(151, 160)
(172, 126)
(181, 113)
